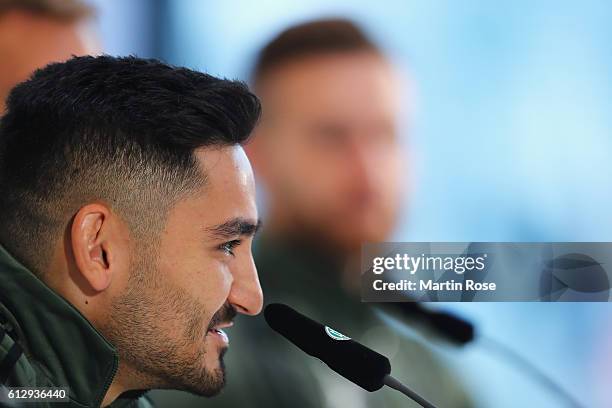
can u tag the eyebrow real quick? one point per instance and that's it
(233, 227)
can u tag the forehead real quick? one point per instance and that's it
(226, 167)
(29, 41)
(32, 37)
(229, 190)
(351, 84)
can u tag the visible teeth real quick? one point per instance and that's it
(220, 333)
(223, 335)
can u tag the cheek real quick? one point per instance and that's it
(392, 173)
(312, 175)
(211, 285)
(203, 278)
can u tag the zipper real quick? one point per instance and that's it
(109, 380)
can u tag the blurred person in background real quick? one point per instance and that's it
(34, 33)
(328, 154)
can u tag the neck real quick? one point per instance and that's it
(123, 381)
(128, 380)
(113, 392)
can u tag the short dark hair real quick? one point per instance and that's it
(118, 129)
(313, 38)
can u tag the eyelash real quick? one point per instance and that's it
(227, 247)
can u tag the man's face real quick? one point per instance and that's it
(182, 290)
(328, 148)
(28, 42)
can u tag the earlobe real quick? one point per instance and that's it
(90, 245)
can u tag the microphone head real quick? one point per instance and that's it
(350, 359)
(452, 328)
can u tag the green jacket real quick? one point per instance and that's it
(46, 342)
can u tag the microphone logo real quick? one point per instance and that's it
(334, 334)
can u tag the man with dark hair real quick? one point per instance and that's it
(328, 154)
(331, 101)
(34, 33)
(128, 213)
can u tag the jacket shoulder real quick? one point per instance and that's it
(16, 370)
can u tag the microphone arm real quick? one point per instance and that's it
(396, 385)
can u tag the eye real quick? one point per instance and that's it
(229, 246)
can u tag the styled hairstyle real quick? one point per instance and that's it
(313, 38)
(118, 130)
(64, 10)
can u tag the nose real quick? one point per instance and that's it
(246, 295)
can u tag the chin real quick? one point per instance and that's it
(215, 370)
(203, 376)
(208, 383)
(215, 379)
(357, 235)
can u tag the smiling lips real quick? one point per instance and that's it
(217, 330)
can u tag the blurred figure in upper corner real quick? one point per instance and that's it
(34, 33)
(328, 153)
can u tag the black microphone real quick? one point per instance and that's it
(352, 360)
(451, 327)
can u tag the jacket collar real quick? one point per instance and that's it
(57, 336)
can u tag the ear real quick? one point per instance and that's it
(90, 233)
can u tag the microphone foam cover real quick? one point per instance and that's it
(352, 360)
(453, 328)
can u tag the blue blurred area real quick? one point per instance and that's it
(514, 102)
(509, 141)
